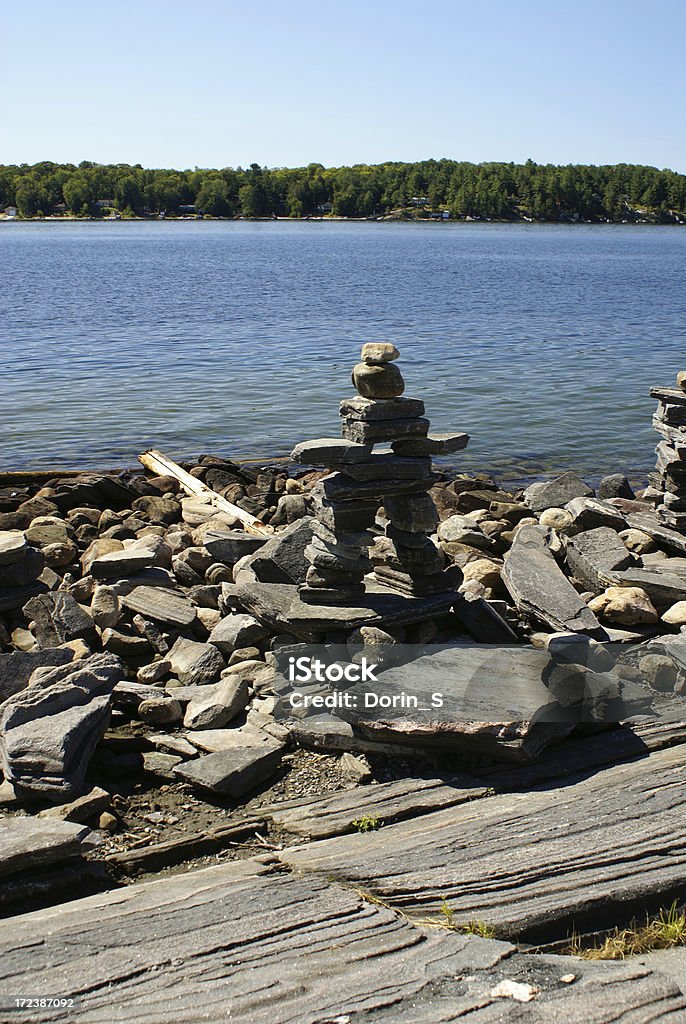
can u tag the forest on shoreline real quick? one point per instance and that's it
(620, 193)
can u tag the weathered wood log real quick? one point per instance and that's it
(158, 463)
(531, 864)
(243, 942)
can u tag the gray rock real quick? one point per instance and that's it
(595, 555)
(461, 530)
(161, 604)
(27, 843)
(413, 513)
(58, 619)
(236, 631)
(195, 663)
(105, 610)
(48, 733)
(228, 546)
(371, 432)
(330, 451)
(540, 589)
(153, 672)
(382, 466)
(372, 410)
(17, 668)
(234, 772)
(163, 765)
(122, 563)
(615, 486)
(589, 513)
(373, 380)
(432, 444)
(23, 571)
(282, 559)
(13, 546)
(212, 710)
(556, 493)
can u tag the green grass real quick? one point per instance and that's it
(367, 823)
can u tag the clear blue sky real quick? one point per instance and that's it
(216, 84)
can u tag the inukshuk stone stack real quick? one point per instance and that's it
(347, 501)
(670, 477)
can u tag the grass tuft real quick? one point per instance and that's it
(665, 931)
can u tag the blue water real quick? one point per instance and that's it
(238, 338)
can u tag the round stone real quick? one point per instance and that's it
(681, 380)
(375, 353)
(373, 381)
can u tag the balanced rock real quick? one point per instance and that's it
(378, 381)
(330, 451)
(376, 353)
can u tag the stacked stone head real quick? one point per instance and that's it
(347, 501)
(670, 477)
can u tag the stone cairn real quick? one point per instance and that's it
(343, 550)
(670, 476)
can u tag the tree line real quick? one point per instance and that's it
(497, 191)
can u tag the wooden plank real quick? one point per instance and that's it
(389, 802)
(158, 463)
(239, 942)
(531, 864)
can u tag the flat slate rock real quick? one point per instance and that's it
(666, 538)
(389, 802)
(279, 606)
(477, 697)
(27, 843)
(160, 604)
(541, 590)
(594, 556)
(556, 493)
(241, 941)
(533, 864)
(16, 668)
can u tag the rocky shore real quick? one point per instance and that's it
(141, 707)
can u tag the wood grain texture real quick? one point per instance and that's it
(241, 943)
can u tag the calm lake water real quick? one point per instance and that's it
(238, 338)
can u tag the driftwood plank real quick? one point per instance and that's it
(531, 864)
(158, 463)
(239, 943)
(334, 813)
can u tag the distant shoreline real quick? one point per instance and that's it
(342, 220)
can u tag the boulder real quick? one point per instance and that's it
(48, 733)
(556, 493)
(232, 773)
(195, 663)
(105, 610)
(58, 618)
(235, 631)
(594, 556)
(628, 606)
(540, 589)
(615, 486)
(17, 668)
(282, 559)
(216, 705)
(589, 513)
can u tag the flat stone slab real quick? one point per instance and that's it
(594, 556)
(232, 772)
(540, 589)
(530, 864)
(279, 606)
(556, 493)
(13, 547)
(27, 843)
(330, 451)
(161, 604)
(477, 697)
(244, 942)
(389, 802)
(669, 539)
